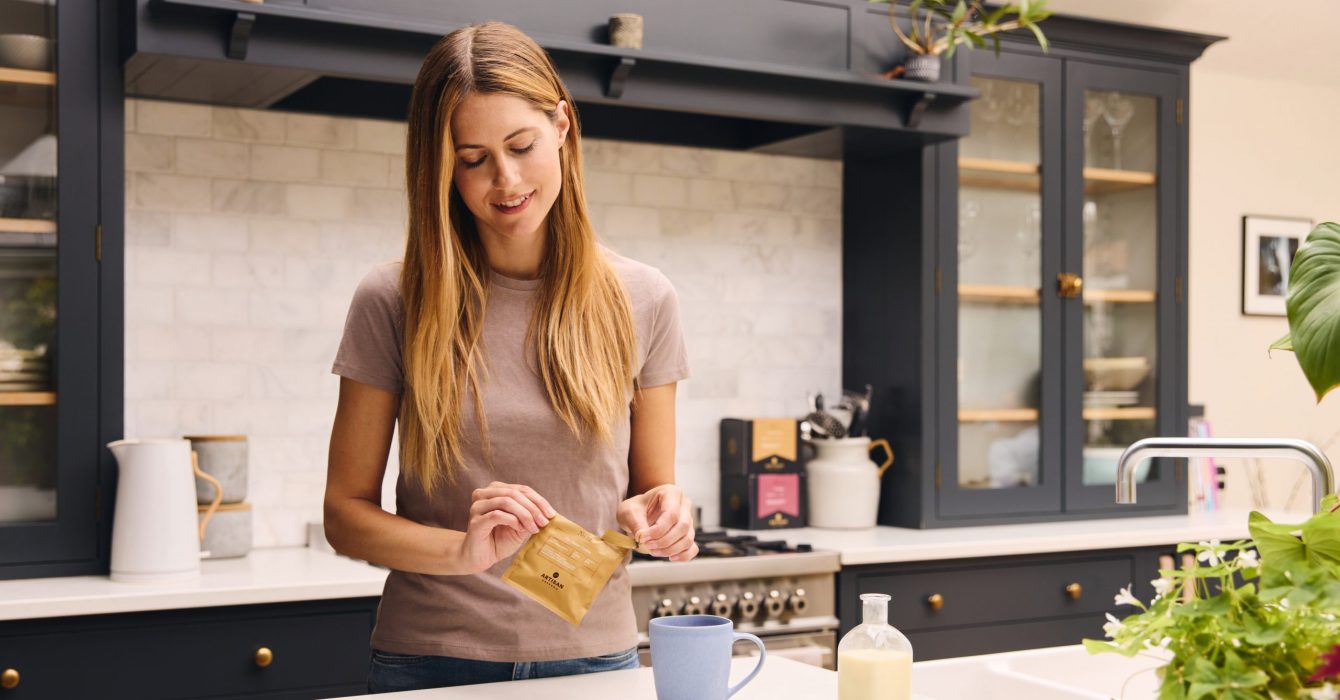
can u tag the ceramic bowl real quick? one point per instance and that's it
(1115, 373)
(26, 51)
(1100, 466)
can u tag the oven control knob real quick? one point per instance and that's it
(722, 605)
(774, 603)
(694, 606)
(664, 608)
(797, 602)
(748, 605)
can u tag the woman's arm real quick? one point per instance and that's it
(501, 516)
(657, 512)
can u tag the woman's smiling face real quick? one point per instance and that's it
(507, 162)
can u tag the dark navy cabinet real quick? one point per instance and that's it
(1017, 297)
(293, 651)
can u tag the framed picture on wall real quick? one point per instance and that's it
(1268, 246)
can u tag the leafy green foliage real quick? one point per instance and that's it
(941, 26)
(1249, 628)
(1313, 305)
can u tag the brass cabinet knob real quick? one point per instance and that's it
(936, 601)
(1069, 286)
(9, 678)
(264, 657)
(1074, 590)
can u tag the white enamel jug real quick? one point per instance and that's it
(156, 530)
(843, 483)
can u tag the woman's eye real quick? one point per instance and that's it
(519, 151)
(472, 164)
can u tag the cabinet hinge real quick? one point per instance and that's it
(937, 476)
(97, 242)
(1180, 110)
(1177, 289)
(937, 279)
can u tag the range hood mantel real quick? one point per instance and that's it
(779, 75)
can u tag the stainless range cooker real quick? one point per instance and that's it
(785, 595)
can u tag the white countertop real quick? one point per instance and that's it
(883, 545)
(780, 679)
(270, 575)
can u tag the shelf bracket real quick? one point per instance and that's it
(619, 77)
(918, 108)
(240, 36)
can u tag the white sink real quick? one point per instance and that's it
(1057, 673)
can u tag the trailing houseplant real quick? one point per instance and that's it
(1252, 627)
(941, 26)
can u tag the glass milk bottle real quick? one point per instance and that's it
(874, 659)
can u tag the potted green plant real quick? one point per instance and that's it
(1261, 626)
(939, 27)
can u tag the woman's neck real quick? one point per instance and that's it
(513, 257)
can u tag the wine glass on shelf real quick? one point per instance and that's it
(1016, 106)
(1030, 232)
(988, 106)
(1117, 113)
(1093, 111)
(967, 215)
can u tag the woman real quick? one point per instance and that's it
(532, 373)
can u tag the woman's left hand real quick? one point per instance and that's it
(661, 520)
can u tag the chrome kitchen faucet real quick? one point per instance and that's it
(1323, 476)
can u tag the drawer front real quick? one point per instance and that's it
(928, 645)
(971, 594)
(187, 655)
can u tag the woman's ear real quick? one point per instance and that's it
(562, 121)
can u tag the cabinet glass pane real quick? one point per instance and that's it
(999, 271)
(27, 261)
(1120, 215)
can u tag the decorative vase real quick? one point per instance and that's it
(843, 482)
(923, 67)
(626, 31)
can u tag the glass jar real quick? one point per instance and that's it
(874, 658)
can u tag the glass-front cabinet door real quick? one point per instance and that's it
(1003, 454)
(1120, 279)
(48, 294)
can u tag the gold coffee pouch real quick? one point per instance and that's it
(563, 567)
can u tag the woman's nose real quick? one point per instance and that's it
(506, 174)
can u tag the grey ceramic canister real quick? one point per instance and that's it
(227, 532)
(223, 457)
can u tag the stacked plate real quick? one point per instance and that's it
(24, 370)
(1111, 398)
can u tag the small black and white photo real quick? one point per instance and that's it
(1268, 246)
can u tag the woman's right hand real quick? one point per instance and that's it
(502, 517)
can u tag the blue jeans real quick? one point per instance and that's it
(389, 672)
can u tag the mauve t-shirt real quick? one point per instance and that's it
(480, 616)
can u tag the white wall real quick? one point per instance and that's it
(1263, 109)
(247, 232)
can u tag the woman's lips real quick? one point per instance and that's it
(516, 209)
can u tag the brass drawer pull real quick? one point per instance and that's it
(9, 678)
(1074, 590)
(1069, 286)
(936, 601)
(264, 657)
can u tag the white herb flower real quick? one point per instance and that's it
(1163, 644)
(1247, 559)
(1236, 642)
(1162, 586)
(1125, 598)
(1211, 555)
(1112, 626)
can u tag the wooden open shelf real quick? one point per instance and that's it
(27, 398)
(18, 76)
(27, 226)
(1030, 415)
(1027, 177)
(1004, 294)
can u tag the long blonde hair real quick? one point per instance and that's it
(581, 330)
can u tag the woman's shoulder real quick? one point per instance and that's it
(644, 283)
(382, 280)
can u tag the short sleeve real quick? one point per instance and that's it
(667, 358)
(370, 350)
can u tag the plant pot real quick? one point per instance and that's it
(923, 67)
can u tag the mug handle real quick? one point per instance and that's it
(762, 654)
(881, 442)
(218, 493)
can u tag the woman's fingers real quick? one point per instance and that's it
(674, 533)
(539, 509)
(525, 516)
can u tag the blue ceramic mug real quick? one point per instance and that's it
(690, 657)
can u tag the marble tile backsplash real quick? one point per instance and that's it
(248, 230)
